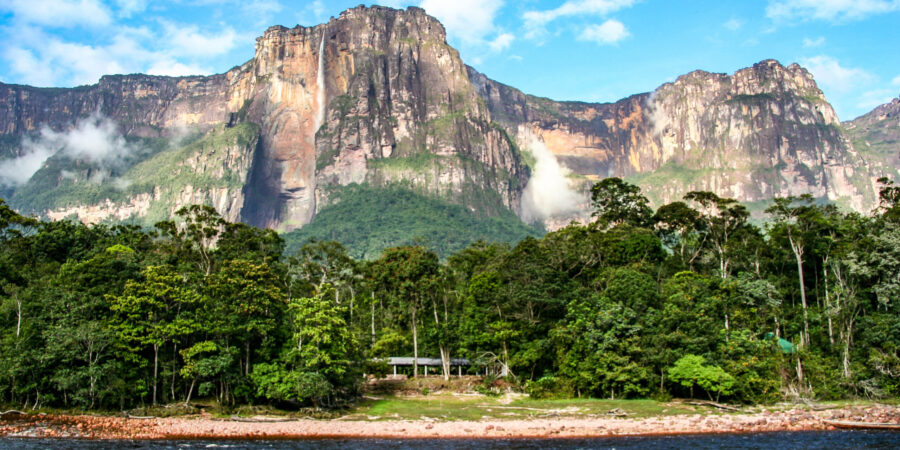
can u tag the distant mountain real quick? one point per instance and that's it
(377, 99)
(877, 136)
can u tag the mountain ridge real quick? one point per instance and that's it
(377, 97)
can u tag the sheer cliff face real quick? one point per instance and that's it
(377, 96)
(765, 131)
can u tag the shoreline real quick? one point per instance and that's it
(200, 428)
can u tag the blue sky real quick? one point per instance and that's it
(590, 50)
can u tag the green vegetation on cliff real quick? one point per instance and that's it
(204, 161)
(367, 220)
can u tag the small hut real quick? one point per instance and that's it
(405, 361)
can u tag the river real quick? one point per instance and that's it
(780, 440)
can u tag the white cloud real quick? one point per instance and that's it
(128, 8)
(830, 74)
(95, 139)
(608, 32)
(896, 81)
(502, 42)
(16, 171)
(172, 68)
(811, 43)
(59, 13)
(829, 10)
(468, 20)
(43, 59)
(535, 21)
(733, 24)
(190, 41)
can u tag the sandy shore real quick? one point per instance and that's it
(97, 427)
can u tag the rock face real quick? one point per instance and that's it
(377, 96)
(765, 131)
(877, 136)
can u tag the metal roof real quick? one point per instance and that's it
(408, 361)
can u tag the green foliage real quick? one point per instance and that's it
(151, 164)
(616, 202)
(111, 317)
(691, 370)
(367, 220)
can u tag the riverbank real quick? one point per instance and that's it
(100, 427)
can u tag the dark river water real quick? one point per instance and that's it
(776, 440)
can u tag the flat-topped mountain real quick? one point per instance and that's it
(377, 98)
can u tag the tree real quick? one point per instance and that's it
(798, 224)
(249, 297)
(149, 311)
(322, 340)
(681, 229)
(691, 370)
(616, 201)
(889, 200)
(408, 275)
(722, 219)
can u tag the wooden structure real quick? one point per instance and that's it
(863, 425)
(407, 361)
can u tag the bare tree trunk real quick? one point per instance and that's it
(798, 253)
(155, 369)
(415, 345)
(18, 316)
(847, 339)
(174, 366)
(373, 318)
(187, 399)
(827, 302)
(247, 358)
(445, 353)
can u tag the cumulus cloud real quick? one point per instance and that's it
(190, 41)
(536, 20)
(502, 42)
(811, 43)
(896, 81)
(468, 20)
(59, 13)
(828, 10)
(548, 192)
(42, 59)
(94, 139)
(833, 76)
(128, 8)
(608, 32)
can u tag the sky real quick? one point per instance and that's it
(587, 50)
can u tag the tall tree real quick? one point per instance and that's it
(408, 275)
(616, 201)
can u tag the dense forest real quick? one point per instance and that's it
(689, 300)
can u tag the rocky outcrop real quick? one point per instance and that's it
(762, 132)
(877, 136)
(377, 96)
